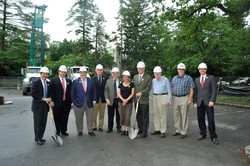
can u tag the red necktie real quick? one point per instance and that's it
(84, 85)
(64, 89)
(202, 82)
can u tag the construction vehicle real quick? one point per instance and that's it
(37, 49)
(74, 72)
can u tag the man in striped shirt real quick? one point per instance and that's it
(183, 90)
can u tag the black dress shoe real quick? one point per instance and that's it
(155, 133)
(100, 129)
(79, 133)
(122, 132)
(201, 137)
(119, 130)
(163, 135)
(92, 133)
(65, 133)
(215, 141)
(183, 136)
(140, 132)
(144, 135)
(109, 130)
(39, 142)
(126, 133)
(94, 129)
(44, 140)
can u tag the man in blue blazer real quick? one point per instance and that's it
(204, 100)
(83, 96)
(40, 107)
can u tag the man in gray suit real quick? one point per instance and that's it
(143, 84)
(111, 97)
(204, 100)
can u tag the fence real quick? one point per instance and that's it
(10, 82)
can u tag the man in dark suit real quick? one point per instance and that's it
(83, 96)
(61, 102)
(99, 81)
(40, 107)
(204, 100)
(111, 96)
(143, 84)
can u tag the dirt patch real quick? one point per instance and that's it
(245, 158)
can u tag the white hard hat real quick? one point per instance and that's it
(141, 64)
(115, 70)
(126, 73)
(181, 66)
(157, 69)
(44, 70)
(202, 66)
(99, 66)
(63, 68)
(83, 68)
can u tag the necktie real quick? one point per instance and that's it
(44, 89)
(202, 82)
(100, 80)
(115, 89)
(64, 89)
(140, 77)
(84, 85)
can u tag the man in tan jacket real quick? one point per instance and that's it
(142, 83)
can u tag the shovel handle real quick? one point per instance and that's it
(137, 104)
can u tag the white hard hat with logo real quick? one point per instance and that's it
(202, 66)
(83, 68)
(181, 66)
(63, 68)
(115, 70)
(157, 69)
(126, 73)
(44, 70)
(141, 64)
(99, 66)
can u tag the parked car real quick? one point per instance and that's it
(242, 81)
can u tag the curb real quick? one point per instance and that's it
(233, 105)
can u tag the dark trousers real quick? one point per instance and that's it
(201, 111)
(112, 111)
(142, 118)
(40, 121)
(61, 116)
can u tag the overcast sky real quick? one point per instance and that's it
(57, 12)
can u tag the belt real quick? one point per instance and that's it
(180, 95)
(158, 94)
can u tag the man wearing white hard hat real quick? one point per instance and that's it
(111, 97)
(126, 90)
(40, 108)
(99, 81)
(61, 102)
(83, 96)
(204, 100)
(142, 83)
(161, 99)
(183, 91)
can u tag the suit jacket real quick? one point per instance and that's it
(100, 88)
(144, 87)
(208, 93)
(56, 91)
(109, 90)
(78, 95)
(37, 94)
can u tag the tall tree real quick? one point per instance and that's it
(81, 16)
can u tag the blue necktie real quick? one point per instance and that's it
(44, 89)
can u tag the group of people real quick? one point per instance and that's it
(91, 95)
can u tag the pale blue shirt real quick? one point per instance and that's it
(162, 86)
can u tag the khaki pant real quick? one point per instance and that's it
(160, 112)
(99, 109)
(181, 114)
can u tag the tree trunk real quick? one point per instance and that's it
(2, 34)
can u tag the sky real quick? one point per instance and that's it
(57, 12)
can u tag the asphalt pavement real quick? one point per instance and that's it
(18, 148)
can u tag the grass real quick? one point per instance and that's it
(239, 100)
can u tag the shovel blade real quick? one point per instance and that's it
(133, 133)
(58, 140)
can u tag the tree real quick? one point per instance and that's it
(81, 16)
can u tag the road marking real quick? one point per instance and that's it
(235, 112)
(222, 125)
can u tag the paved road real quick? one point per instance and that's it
(17, 146)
